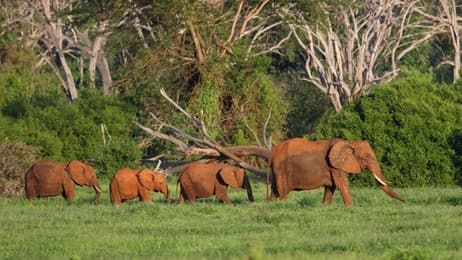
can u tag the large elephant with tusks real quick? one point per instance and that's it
(297, 164)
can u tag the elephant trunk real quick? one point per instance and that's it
(167, 195)
(97, 188)
(391, 193)
(383, 183)
(248, 187)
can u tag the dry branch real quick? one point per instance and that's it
(203, 146)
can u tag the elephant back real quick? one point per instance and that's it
(43, 170)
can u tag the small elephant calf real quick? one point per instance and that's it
(201, 180)
(128, 184)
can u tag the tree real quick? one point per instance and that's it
(49, 26)
(201, 144)
(355, 48)
(441, 17)
(200, 51)
(412, 123)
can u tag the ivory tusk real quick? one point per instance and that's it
(97, 189)
(379, 180)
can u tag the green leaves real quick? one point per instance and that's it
(409, 124)
(96, 128)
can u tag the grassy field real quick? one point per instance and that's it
(427, 226)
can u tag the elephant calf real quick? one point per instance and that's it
(128, 184)
(201, 180)
(46, 178)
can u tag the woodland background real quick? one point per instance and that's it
(76, 75)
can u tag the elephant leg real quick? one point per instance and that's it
(278, 190)
(274, 193)
(224, 198)
(221, 193)
(328, 194)
(188, 195)
(31, 194)
(341, 182)
(145, 195)
(283, 196)
(116, 199)
(69, 190)
(282, 192)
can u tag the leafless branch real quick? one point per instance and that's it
(205, 147)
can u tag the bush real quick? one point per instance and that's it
(409, 123)
(66, 131)
(456, 144)
(15, 159)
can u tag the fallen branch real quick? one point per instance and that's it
(205, 147)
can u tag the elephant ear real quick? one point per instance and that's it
(230, 176)
(77, 172)
(146, 178)
(341, 156)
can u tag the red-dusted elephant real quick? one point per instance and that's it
(128, 184)
(298, 164)
(202, 180)
(46, 178)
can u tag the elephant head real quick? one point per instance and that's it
(353, 157)
(84, 175)
(154, 181)
(236, 178)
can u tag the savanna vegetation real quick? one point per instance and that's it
(75, 77)
(427, 226)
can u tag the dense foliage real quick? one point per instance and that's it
(217, 63)
(412, 124)
(95, 129)
(34, 111)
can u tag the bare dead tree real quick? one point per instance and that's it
(201, 144)
(93, 51)
(50, 29)
(442, 17)
(38, 22)
(344, 56)
(359, 46)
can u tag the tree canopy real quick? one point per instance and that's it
(75, 75)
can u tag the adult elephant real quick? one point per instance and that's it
(128, 184)
(298, 164)
(202, 180)
(46, 178)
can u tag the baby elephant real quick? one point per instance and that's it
(130, 183)
(201, 180)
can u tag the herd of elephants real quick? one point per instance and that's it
(295, 164)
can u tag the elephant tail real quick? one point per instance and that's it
(178, 183)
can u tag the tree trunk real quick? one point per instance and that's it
(103, 68)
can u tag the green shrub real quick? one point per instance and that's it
(15, 158)
(253, 92)
(456, 143)
(409, 123)
(96, 128)
(234, 98)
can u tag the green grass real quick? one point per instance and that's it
(427, 226)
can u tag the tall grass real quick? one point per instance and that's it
(427, 226)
